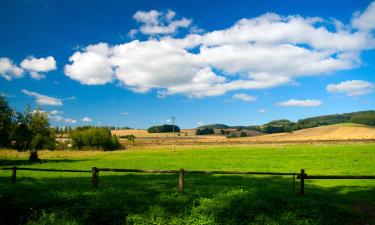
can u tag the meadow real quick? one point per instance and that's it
(129, 198)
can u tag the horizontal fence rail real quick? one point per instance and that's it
(302, 176)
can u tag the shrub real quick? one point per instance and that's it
(204, 131)
(243, 134)
(232, 135)
(163, 129)
(97, 137)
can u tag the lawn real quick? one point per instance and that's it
(128, 198)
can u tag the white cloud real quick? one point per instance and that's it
(200, 123)
(261, 110)
(158, 23)
(303, 103)
(54, 112)
(352, 88)
(91, 67)
(9, 70)
(68, 120)
(43, 99)
(255, 53)
(366, 19)
(86, 119)
(38, 66)
(244, 97)
(125, 113)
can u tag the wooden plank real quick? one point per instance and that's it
(303, 176)
(46, 170)
(181, 181)
(138, 170)
(95, 172)
(334, 177)
(14, 174)
(238, 172)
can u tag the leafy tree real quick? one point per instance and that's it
(6, 122)
(204, 131)
(43, 136)
(243, 134)
(98, 137)
(163, 129)
(366, 119)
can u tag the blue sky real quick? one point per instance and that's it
(135, 63)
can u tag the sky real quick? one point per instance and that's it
(136, 63)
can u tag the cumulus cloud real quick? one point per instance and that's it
(9, 70)
(68, 120)
(38, 66)
(43, 99)
(303, 103)
(54, 112)
(262, 110)
(352, 87)
(366, 19)
(92, 66)
(244, 97)
(158, 23)
(86, 119)
(255, 53)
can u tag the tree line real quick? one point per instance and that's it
(31, 131)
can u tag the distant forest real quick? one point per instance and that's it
(284, 125)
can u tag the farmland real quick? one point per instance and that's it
(128, 198)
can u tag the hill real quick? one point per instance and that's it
(345, 131)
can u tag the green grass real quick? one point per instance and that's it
(128, 198)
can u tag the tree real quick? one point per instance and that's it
(243, 134)
(43, 136)
(98, 137)
(163, 129)
(204, 131)
(6, 122)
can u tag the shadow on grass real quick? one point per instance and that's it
(207, 199)
(26, 162)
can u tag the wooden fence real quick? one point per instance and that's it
(302, 176)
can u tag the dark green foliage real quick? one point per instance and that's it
(232, 135)
(129, 137)
(33, 132)
(215, 126)
(243, 134)
(204, 131)
(163, 129)
(272, 129)
(94, 137)
(6, 122)
(367, 118)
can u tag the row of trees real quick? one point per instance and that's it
(25, 131)
(94, 137)
(163, 129)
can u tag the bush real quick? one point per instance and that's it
(163, 129)
(97, 137)
(232, 135)
(366, 119)
(243, 134)
(129, 137)
(204, 131)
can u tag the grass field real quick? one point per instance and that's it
(128, 198)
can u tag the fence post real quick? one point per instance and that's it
(303, 181)
(95, 173)
(294, 183)
(181, 181)
(14, 174)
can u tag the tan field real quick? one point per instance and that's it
(324, 133)
(339, 132)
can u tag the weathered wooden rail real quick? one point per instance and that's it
(95, 174)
